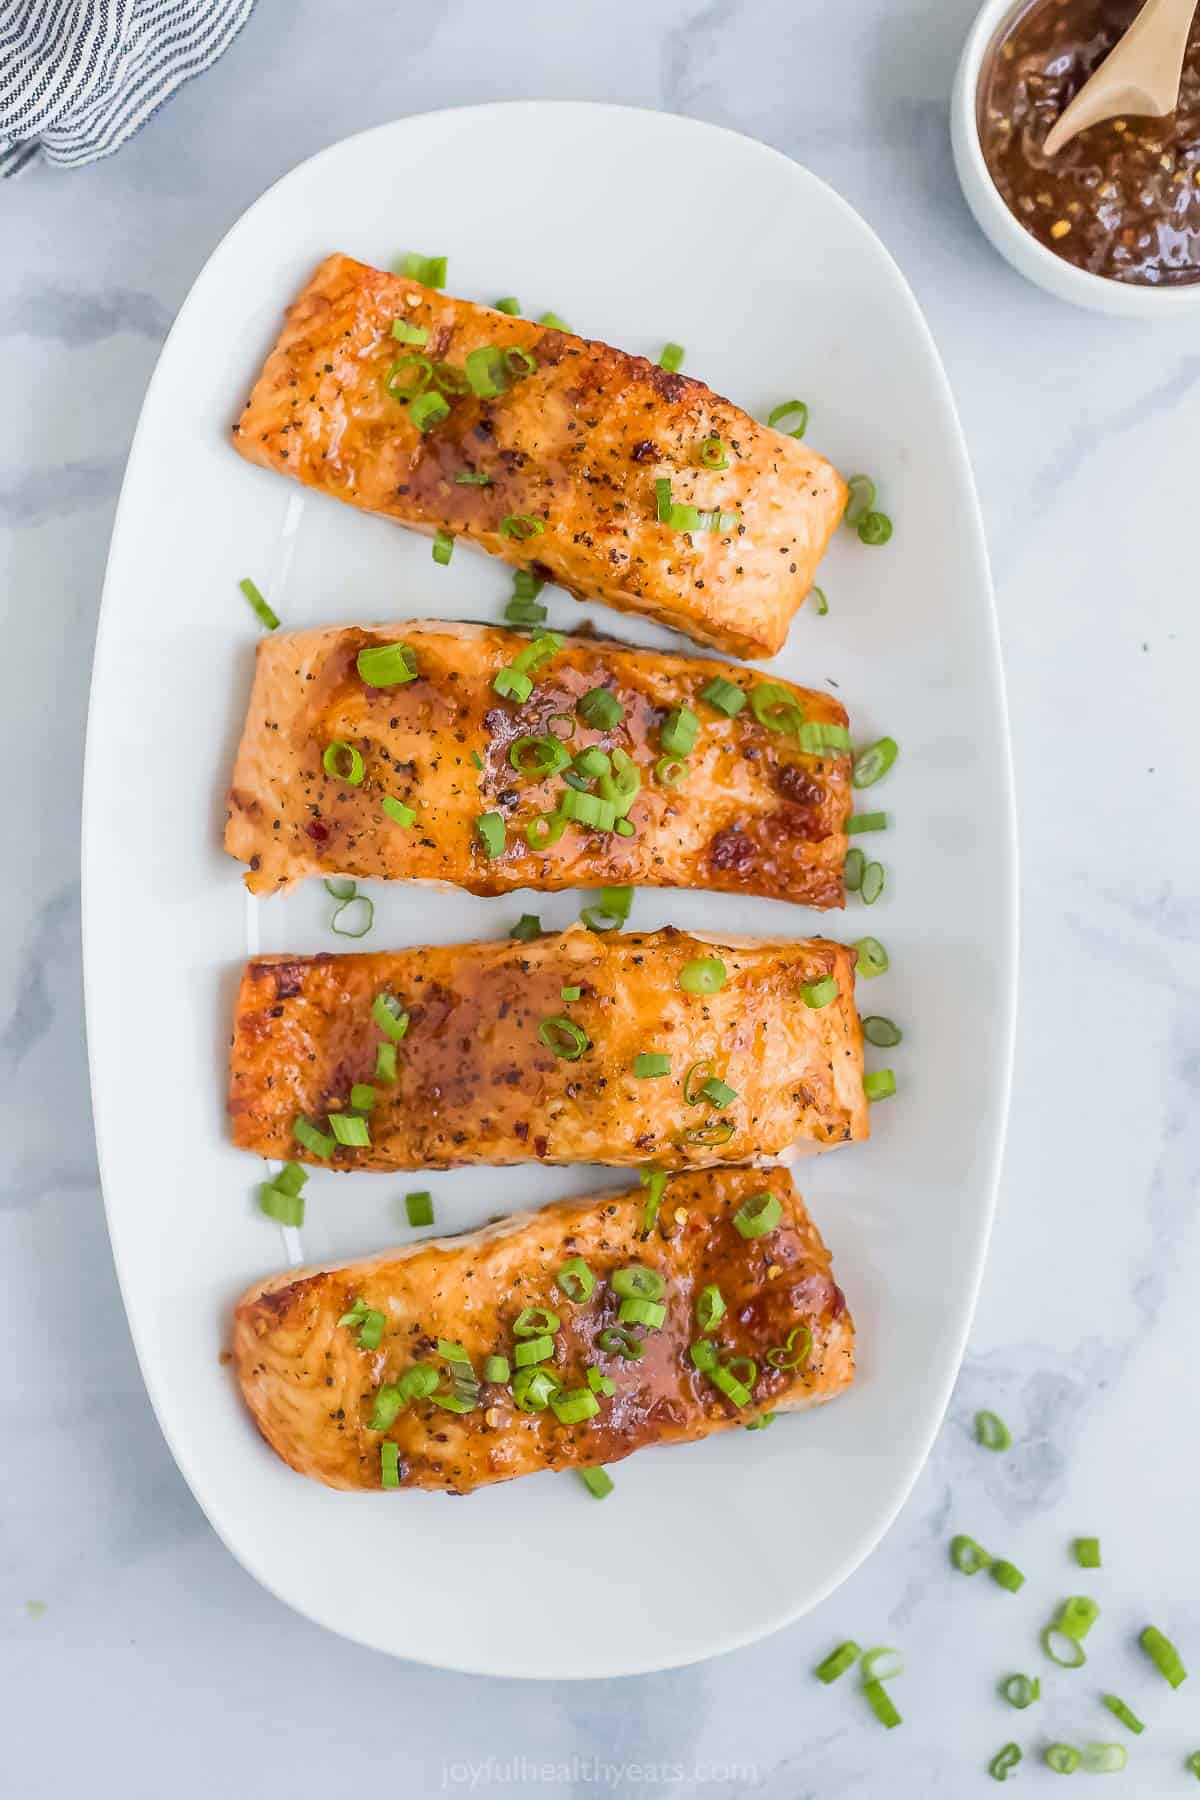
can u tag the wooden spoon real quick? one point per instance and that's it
(1140, 74)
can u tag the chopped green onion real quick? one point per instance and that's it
(872, 883)
(818, 994)
(837, 1662)
(281, 1204)
(1066, 1651)
(1125, 1713)
(872, 764)
(387, 665)
(601, 1384)
(872, 958)
(598, 1482)
(571, 993)
(404, 333)
(1087, 1552)
(1004, 1762)
(533, 1350)
(1064, 1759)
(350, 1131)
(710, 1308)
(672, 358)
(510, 304)
(408, 377)
(758, 1215)
(860, 822)
(724, 696)
(789, 1354)
(1193, 1763)
(389, 1463)
(654, 1181)
(389, 1400)
(521, 526)
(600, 709)
(882, 1664)
(880, 1702)
(876, 528)
(704, 1355)
(389, 1015)
(353, 918)
(637, 1282)
(443, 547)
(679, 730)
(486, 371)
(519, 363)
(703, 975)
(1021, 1690)
(728, 1383)
(341, 888)
(564, 1037)
(588, 809)
(573, 1405)
(385, 1062)
(617, 1340)
(610, 910)
(650, 1313)
(1163, 1655)
(852, 871)
(290, 1179)
(1007, 1575)
(776, 707)
(967, 1556)
(314, 1141)
(1104, 1759)
(418, 1382)
(342, 762)
(819, 601)
(430, 271)
(553, 322)
(513, 684)
(861, 490)
(707, 1136)
(419, 1208)
(718, 1092)
(576, 1280)
(651, 1063)
(527, 927)
(490, 829)
(788, 409)
(884, 1035)
(426, 410)
(496, 1368)
(669, 771)
(1076, 1616)
(370, 1323)
(711, 453)
(591, 762)
(265, 614)
(362, 1096)
(990, 1429)
(817, 737)
(397, 812)
(662, 499)
(534, 1321)
(693, 1081)
(533, 1387)
(545, 830)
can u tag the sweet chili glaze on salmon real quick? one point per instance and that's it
(750, 812)
(477, 1082)
(575, 445)
(312, 1388)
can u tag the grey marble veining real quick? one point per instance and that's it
(157, 1661)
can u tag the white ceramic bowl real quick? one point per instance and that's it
(1010, 238)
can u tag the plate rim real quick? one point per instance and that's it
(720, 1642)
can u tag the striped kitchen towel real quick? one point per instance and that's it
(78, 77)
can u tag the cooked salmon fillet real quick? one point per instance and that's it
(571, 449)
(749, 809)
(497, 1064)
(314, 1389)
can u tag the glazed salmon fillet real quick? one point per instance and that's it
(749, 809)
(553, 464)
(346, 1372)
(519, 1052)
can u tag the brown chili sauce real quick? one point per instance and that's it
(1123, 198)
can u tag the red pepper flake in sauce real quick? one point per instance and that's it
(1122, 199)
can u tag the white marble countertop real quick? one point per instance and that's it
(157, 1663)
